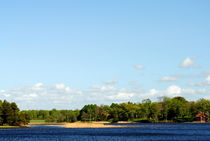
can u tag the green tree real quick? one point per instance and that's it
(24, 118)
(203, 105)
(178, 108)
(6, 112)
(154, 111)
(165, 105)
(84, 116)
(89, 113)
(72, 117)
(11, 115)
(13, 118)
(146, 108)
(114, 112)
(1, 113)
(104, 113)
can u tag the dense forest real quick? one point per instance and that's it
(176, 109)
(11, 115)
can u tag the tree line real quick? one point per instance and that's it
(11, 115)
(176, 109)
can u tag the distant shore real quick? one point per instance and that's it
(94, 124)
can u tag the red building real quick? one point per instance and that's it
(202, 117)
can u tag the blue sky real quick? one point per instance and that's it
(64, 54)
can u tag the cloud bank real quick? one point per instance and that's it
(60, 96)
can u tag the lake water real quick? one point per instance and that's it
(147, 132)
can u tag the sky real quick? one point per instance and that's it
(65, 54)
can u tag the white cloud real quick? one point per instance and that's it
(63, 88)
(110, 82)
(207, 97)
(4, 94)
(168, 79)
(205, 82)
(33, 95)
(189, 91)
(60, 86)
(202, 91)
(208, 79)
(178, 91)
(153, 92)
(2, 91)
(60, 96)
(204, 73)
(73, 91)
(23, 98)
(103, 88)
(40, 96)
(7, 95)
(189, 63)
(139, 67)
(37, 86)
(174, 90)
(121, 96)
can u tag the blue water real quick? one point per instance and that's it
(146, 132)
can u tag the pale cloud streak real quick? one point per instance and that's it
(203, 83)
(208, 80)
(37, 86)
(103, 88)
(139, 67)
(168, 79)
(189, 63)
(110, 82)
(121, 96)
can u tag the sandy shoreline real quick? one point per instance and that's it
(102, 124)
(91, 125)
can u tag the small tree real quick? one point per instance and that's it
(24, 118)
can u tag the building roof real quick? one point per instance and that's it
(201, 114)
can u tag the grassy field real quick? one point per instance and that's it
(9, 126)
(37, 121)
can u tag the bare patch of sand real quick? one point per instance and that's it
(90, 125)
